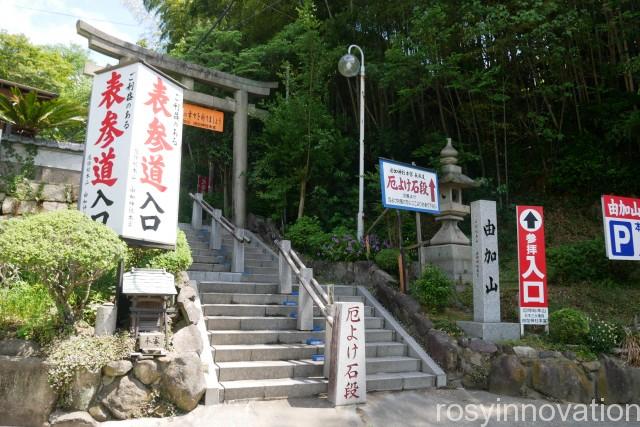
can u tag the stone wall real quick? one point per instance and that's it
(55, 162)
(501, 369)
(39, 197)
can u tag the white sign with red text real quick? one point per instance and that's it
(621, 220)
(409, 187)
(532, 266)
(131, 172)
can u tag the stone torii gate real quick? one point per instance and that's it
(188, 74)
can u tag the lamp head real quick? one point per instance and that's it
(349, 65)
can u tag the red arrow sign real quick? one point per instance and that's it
(432, 186)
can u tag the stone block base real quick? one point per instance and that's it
(453, 260)
(494, 332)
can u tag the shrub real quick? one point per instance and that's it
(586, 261)
(387, 259)
(604, 336)
(343, 246)
(27, 311)
(433, 289)
(69, 355)
(568, 326)
(306, 236)
(65, 251)
(173, 261)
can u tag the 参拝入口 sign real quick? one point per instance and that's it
(409, 187)
(532, 266)
(621, 220)
(131, 172)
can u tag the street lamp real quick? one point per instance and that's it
(349, 67)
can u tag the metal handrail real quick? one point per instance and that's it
(224, 222)
(308, 285)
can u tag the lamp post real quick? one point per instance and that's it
(349, 67)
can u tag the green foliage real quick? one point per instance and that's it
(65, 251)
(568, 326)
(604, 336)
(27, 311)
(343, 246)
(307, 236)
(585, 261)
(387, 259)
(16, 181)
(30, 116)
(72, 354)
(173, 261)
(433, 288)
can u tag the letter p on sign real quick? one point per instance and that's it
(621, 237)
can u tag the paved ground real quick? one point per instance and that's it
(414, 408)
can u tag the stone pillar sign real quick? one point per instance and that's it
(484, 234)
(347, 369)
(486, 322)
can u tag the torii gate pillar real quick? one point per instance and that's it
(240, 159)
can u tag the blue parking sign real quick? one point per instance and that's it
(621, 220)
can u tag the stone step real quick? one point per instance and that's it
(261, 262)
(271, 369)
(397, 381)
(235, 337)
(263, 278)
(269, 269)
(207, 252)
(268, 369)
(260, 310)
(200, 266)
(215, 259)
(259, 257)
(238, 287)
(263, 288)
(199, 244)
(273, 388)
(259, 299)
(376, 365)
(220, 323)
(248, 352)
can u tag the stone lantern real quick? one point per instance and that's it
(449, 248)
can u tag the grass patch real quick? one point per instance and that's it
(27, 311)
(543, 342)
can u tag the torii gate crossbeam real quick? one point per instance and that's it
(241, 87)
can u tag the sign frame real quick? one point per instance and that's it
(436, 188)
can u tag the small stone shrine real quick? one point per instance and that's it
(449, 248)
(149, 291)
(486, 322)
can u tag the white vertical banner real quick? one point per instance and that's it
(347, 369)
(486, 272)
(131, 174)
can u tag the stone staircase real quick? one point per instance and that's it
(256, 348)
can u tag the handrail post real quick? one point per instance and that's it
(328, 335)
(305, 303)
(215, 238)
(284, 268)
(196, 213)
(237, 262)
